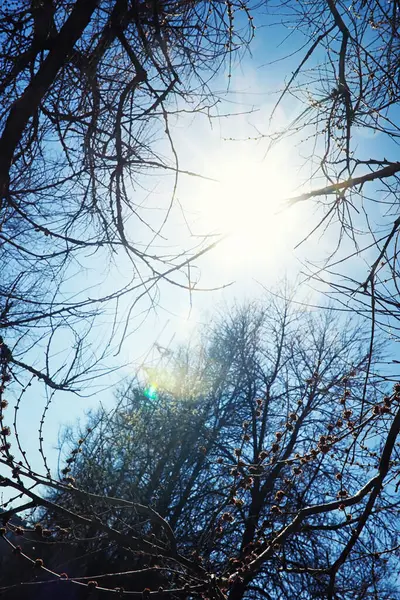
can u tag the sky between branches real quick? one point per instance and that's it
(244, 202)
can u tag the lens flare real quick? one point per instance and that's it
(150, 392)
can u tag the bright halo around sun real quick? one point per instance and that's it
(246, 206)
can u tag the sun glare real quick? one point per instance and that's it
(245, 206)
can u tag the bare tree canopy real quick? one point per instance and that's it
(346, 84)
(87, 91)
(251, 472)
(266, 463)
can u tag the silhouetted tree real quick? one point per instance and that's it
(263, 475)
(87, 92)
(346, 88)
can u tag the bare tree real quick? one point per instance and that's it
(346, 87)
(257, 471)
(88, 90)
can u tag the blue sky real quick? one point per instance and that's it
(243, 202)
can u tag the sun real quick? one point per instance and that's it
(246, 206)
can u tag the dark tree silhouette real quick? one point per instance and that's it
(257, 471)
(346, 87)
(270, 467)
(87, 92)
